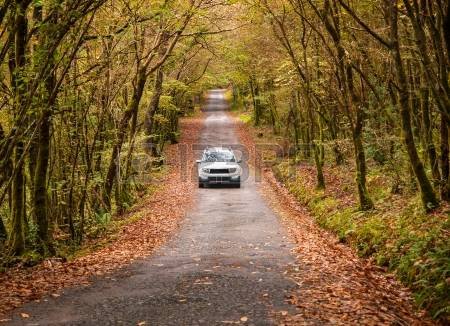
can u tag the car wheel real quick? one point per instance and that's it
(238, 185)
(201, 185)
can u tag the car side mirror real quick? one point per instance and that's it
(198, 161)
(239, 161)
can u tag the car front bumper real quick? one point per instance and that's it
(219, 179)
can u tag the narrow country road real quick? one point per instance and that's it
(226, 264)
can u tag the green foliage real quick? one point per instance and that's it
(32, 233)
(371, 235)
(103, 218)
(246, 118)
(409, 242)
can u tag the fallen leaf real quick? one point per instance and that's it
(24, 315)
(244, 319)
(157, 217)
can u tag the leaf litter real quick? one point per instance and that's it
(334, 285)
(162, 213)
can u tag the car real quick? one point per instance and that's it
(219, 166)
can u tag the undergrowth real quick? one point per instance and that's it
(102, 228)
(399, 236)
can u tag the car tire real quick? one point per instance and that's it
(201, 185)
(238, 185)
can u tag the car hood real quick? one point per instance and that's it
(219, 165)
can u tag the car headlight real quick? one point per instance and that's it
(205, 170)
(232, 170)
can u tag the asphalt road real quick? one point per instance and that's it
(225, 265)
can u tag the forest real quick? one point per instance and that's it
(92, 92)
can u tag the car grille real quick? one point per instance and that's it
(218, 171)
(219, 179)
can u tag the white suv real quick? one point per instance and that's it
(219, 166)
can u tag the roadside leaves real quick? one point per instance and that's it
(334, 286)
(159, 216)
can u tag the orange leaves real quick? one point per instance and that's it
(160, 215)
(334, 286)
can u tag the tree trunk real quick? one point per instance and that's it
(428, 196)
(446, 28)
(338, 156)
(152, 109)
(17, 236)
(319, 156)
(352, 102)
(295, 121)
(427, 134)
(256, 101)
(365, 203)
(6, 172)
(40, 182)
(16, 241)
(273, 114)
(122, 132)
(3, 234)
(445, 164)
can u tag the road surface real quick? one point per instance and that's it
(225, 265)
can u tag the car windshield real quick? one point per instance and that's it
(224, 156)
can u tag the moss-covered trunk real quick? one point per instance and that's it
(319, 157)
(40, 182)
(3, 234)
(445, 161)
(121, 135)
(151, 111)
(254, 89)
(365, 203)
(16, 242)
(427, 134)
(428, 196)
